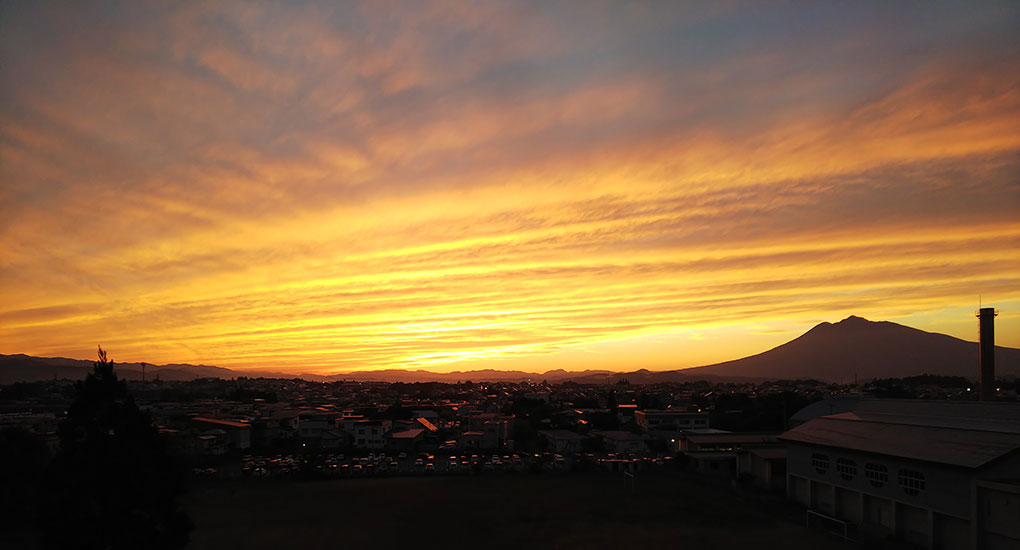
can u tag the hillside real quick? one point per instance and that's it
(856, 347)
(25, 368)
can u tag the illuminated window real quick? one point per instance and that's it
(877, 474)
(820, 462)
(847, 468)
(912, 481)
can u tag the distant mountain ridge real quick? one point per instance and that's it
(25, 368)
(854, 348)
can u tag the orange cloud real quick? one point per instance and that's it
(304, 188)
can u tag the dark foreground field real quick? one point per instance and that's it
(487, 512)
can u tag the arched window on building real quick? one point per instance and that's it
(911, 481)
(877, 474)
(847, 468)
(820, 463)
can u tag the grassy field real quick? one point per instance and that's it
(487, 512)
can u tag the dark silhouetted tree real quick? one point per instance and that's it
(114, 485)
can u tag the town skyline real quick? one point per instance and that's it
(503, 185)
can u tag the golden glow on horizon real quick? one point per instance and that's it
(296, 195)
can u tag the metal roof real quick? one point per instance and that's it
(619, 435)
(955, 422)
(561, 434)
(982, 410)
(670, 412)
(833, 405)
(284, 413)
(950, 433)
(220, 422)
(413, 433)
(711, 454)
(428, 425)
(768, 453)
(731, 438)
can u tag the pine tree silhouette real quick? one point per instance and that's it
(114, 485)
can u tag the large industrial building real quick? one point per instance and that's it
(938, 474)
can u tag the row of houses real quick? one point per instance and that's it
(195, 434)
(617, 441)
(217, 430)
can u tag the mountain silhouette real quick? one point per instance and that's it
(837, 352)
(857, 347)
(25, 368)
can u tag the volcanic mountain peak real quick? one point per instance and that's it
(858, 348)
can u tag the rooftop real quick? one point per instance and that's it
(708, 455)
(732, 438)
(619, 435)
(978, 410)
(963, 434)
(413, 433)
(670, 412)
(562, 434)
(219, 422)
(768, 453)
(428, 425)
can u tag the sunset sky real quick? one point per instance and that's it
(305, 187)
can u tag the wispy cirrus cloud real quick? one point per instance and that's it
(315, 187)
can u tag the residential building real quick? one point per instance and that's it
(313, 424)
(369, 434)
(618, 441)
(405, 440)
(563, 441)
(237, 435)
(716, 453)
(668, 420)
